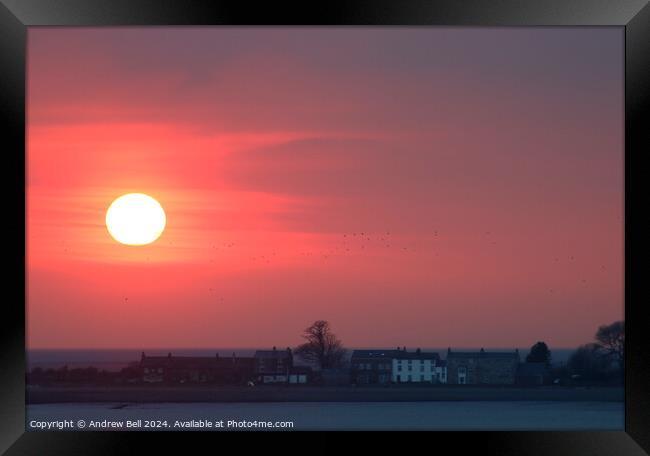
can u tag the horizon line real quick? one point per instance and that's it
(282, 347)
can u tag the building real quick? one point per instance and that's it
(196, 369)
(368, 367)
(414, 367)
(273, 366)
(381, 367)
(533, 374)
(441, 371)
(482, 368)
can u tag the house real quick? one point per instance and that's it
(369, 367)
(393, 366)
(195, 369)
(441, 371)
(273, 366)
(414, 367)
(532, 374)
(482, 368)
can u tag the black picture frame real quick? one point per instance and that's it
(17, 15)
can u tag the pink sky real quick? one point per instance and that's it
(484, 168)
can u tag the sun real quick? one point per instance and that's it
(135, 219)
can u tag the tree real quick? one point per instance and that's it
(588, 362)
(539, 353)
(611, 341)
(322, 347)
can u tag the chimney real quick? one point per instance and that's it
(448, 350)
(142, 356)
(274, 348)
(418, 351)
(169, 355)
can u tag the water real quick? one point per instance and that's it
(466, 415)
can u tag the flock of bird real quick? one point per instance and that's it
(355, 242)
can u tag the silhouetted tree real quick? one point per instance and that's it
(322, 347)
(588, 362)
(611, 341)
(539, 353)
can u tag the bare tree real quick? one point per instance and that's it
(587, 362)
(611, 341)
(322, 347)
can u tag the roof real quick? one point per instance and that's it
(274, 354)
(417, 355)
(394, 354)
(483, 354)
(374, 353)
(527, 369)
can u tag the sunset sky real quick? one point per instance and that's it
(425, 187)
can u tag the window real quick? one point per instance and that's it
(399, 368)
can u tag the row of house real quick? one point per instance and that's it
(459, 368)
(266, 366)
(396, 366)
(367, 367)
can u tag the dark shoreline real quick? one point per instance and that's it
(188, 394)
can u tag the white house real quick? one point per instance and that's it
(415, 367)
